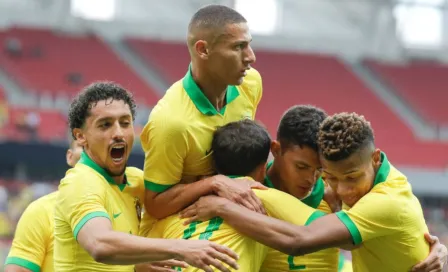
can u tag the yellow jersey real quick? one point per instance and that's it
(32, 247)
(252, 254)
(88, 191)
(320, 261)
(178, 136)
(344, 264)
(388, 223)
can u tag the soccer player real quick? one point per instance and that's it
(219, 87)
(98, 206)
(382, 216)
(32, 246)
(296, 170)
(246, 145)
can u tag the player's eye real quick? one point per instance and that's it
(105, 125)
(125, 123)
(351, 178)
(240, 46)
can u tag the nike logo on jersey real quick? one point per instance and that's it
(116, 215)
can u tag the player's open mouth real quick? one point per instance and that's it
(117, 152)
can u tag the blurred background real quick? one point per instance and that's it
(385, 59)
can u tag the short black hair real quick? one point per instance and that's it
(92, 94)
(343, 134)
(240, 147)
(300, 126)
(214, 17)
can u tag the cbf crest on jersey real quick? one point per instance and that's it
(138, 208)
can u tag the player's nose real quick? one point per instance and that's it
(118, 132)
(249, 57)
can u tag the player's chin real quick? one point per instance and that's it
(117, 168)
(116, 171)
(238, 81)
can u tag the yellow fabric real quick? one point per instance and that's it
(252, 254)
(177, 138)
(348, 267)
(320, 261)
(85, 193)
(33, 240)
(389, 223)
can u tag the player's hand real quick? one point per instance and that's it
(162, 266)
(436, 259)
(239, 191)
(332, 199)
(205, 208)
(204, 254)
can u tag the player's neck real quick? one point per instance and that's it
(214, 90)
(118, 179)
(275, 178)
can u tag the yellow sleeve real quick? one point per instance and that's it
(287, 208)
(81, 199)
(373, 216)
(32, 236)
(165, 144)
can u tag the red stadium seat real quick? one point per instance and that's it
(48, 58)
(421, 84)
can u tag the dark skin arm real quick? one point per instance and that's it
(173, 200)
(325, 232)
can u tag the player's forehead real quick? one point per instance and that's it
(353, 164)
(302, 155)
(236, 32)
(109, 109)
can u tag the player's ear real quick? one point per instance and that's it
(201, 48)
(276, 148)
(80, 136)
(68, 156)
(376, 158)
(260, 172)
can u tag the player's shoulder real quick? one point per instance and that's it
(381, 199)
(78, 178)
(174, 97)
(134, 172)
(252, 78)
(166, 122)
(252, 86)
(42, 202)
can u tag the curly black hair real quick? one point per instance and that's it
(240, 147)
(90, 95)
(300, 126)
(343, 134)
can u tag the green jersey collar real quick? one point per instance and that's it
(267, 180)
(383, 171)
(84, 159)
(200, 100)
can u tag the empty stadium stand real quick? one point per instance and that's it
(421, 84)
(44, 61)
